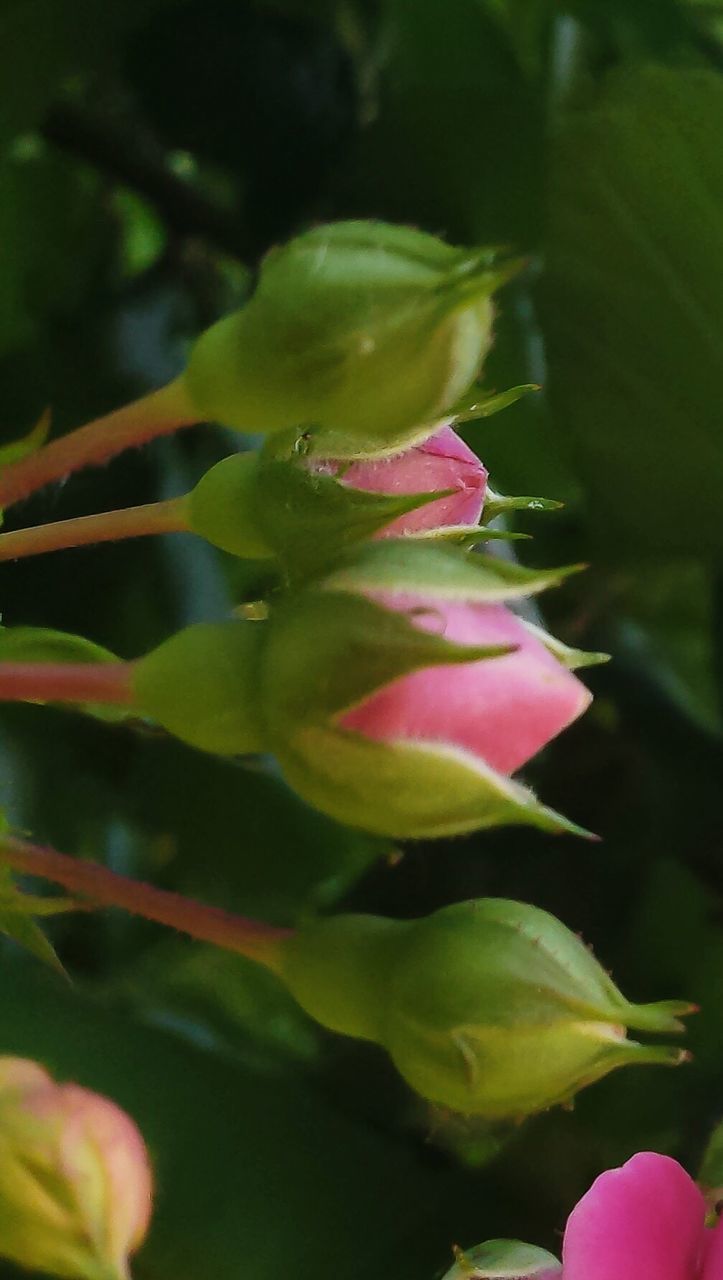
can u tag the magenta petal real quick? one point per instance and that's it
(644, 1221)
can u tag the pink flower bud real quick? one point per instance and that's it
(75, 1180)
(644, 1220)
(441, 462)
(502, 710)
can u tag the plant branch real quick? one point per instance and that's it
(109, 682)
(252, 938)
(157, 414)
(106, 526)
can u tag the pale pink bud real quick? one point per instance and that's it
(442, 462)
(502, 710)
(75, 1180)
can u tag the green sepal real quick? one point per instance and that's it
(407, 790)
(573, 659)
(498, 504)
(503, 1260)
(203, 686)
(44, 644)
(256, 506)
(466, 535)
(474, 407)
(416, 566)
(328, 650)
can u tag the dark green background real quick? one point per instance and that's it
(150, 151)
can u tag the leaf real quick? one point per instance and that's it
(633, 306)
(18, 911)
(27, 444)
(45, 644)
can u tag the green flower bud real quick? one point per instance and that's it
(367, 331)
(504, 1260)
(489, 1007)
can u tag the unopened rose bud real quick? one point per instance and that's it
(399, 709)
(366, 331)
(280, 504)
(443, 462)
(75, 1180)
(490, 1007)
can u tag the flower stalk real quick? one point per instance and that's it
(254, 939)
(159, 413)
(106, 526)
(76, 682)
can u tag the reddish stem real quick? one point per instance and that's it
(67, 682)
(252, 938)
(157, 414)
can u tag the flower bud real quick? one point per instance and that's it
(367, 331)
(443, 462)
(279, 503)
(75, 1181)
(398, 693)
(489, 1007)
(504, 1260)
(403, 712)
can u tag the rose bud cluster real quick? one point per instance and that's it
(490, 1007)
(75, 1179)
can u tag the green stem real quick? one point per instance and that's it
(67, 682)
(107, 526)
(254, 939)
(157, 414)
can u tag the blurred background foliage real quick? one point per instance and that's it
(150, 152)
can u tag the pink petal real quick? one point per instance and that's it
(442, 462)
(501, 709)
(644, 1221)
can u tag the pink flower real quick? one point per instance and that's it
(502, 710)
(442, 462)
(644, 1221)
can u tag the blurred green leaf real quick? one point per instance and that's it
(633, 307)
(53, 232)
